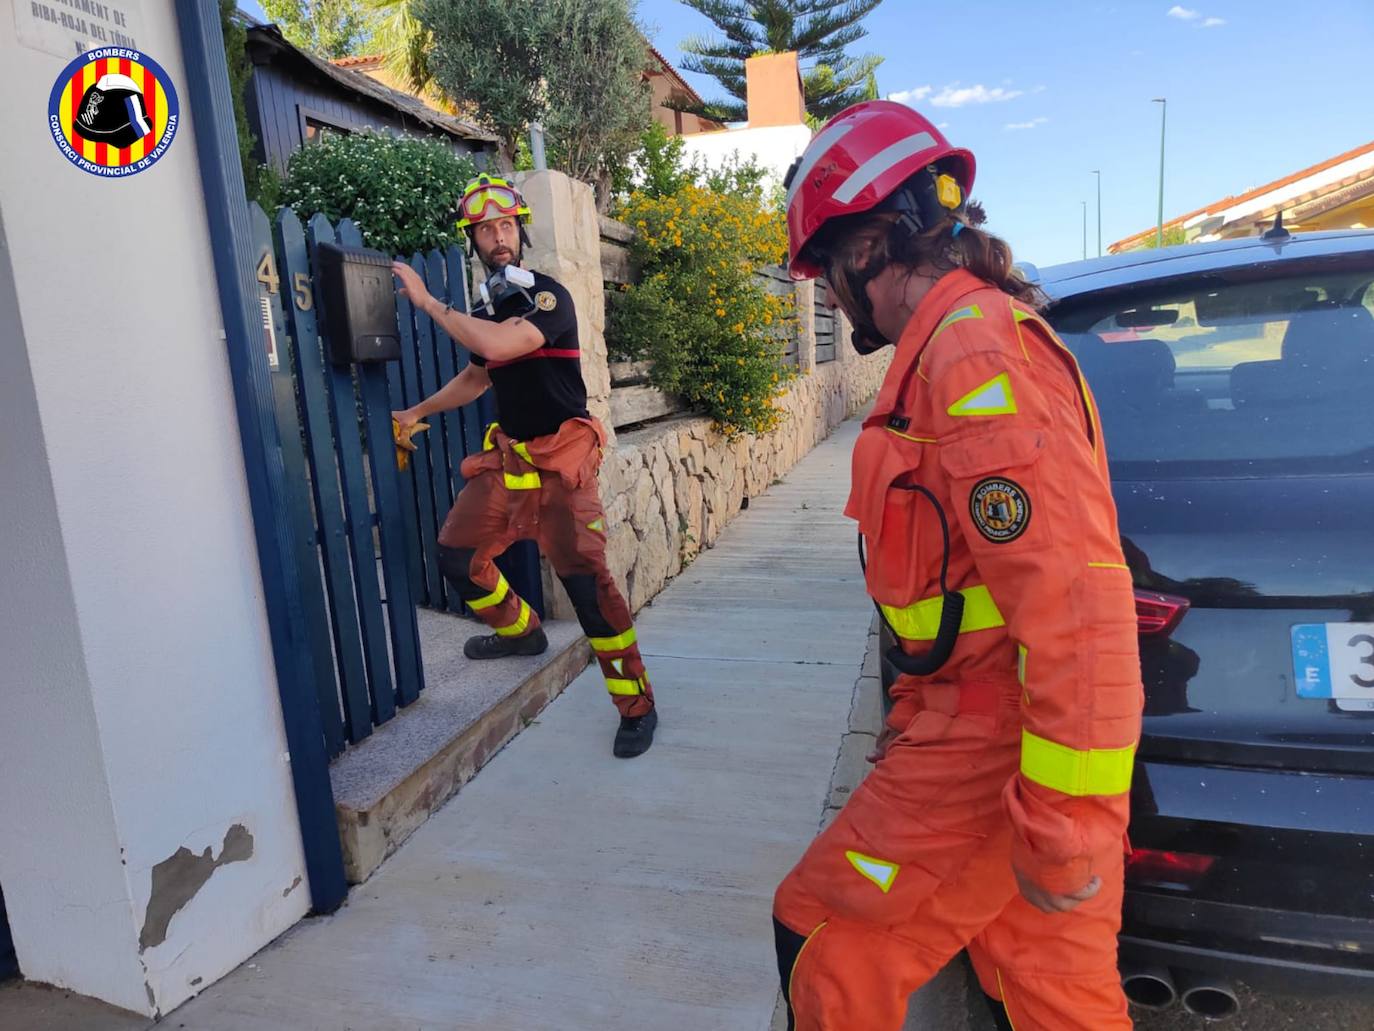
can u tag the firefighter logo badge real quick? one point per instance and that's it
(113, 112)
(1001, 509)
(545, 301)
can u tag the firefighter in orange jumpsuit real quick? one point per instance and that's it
(536, 477)
(995, 816)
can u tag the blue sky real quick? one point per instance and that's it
(1043, 93)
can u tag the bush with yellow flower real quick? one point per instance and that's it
(715, 334)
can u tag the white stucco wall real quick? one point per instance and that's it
(775, 147)
(140, 707)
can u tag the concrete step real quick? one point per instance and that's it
(391, 783)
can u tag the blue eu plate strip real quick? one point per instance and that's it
(1311, 661)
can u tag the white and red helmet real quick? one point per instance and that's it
(860, 159)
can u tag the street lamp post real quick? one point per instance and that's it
(1163, 113)
(1098, 172)
(1085, 229)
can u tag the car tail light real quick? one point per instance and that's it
(1158, 613)
(1180, 870)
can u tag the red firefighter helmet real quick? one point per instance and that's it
(859, 159)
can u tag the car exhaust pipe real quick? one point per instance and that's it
(1150, 988)
(1203, 995)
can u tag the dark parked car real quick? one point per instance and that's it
(1236, 387)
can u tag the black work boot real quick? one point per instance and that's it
(494, 646)
(635, 735)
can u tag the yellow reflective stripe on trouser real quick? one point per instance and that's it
(520, 625)
(921, 621)
(496, 597)
(616, 686)
(1094, 771)
(614, 644)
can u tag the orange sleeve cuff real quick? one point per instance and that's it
(1056, 878)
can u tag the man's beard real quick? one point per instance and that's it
(500, 257)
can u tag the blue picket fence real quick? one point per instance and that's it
(364, 533)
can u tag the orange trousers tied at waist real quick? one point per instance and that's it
(1017, 754)
(544, 489)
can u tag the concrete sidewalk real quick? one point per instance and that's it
(565, 889)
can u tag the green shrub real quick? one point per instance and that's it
(401, 191)
(715, 335)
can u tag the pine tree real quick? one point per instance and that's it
(818, 30)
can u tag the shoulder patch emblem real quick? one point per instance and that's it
(1001, 509)
(545, 301)
(992, 398)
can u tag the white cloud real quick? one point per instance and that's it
(1212, 23)
(1033, 123)
(960, 96)
(911, 96)
(943, 125)
(1182, 13)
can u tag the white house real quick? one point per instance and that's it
(776, 133)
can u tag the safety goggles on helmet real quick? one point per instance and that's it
(489, 197)
(502, 199)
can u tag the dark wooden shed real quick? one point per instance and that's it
(295, 95)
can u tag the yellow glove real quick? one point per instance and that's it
(404, 445)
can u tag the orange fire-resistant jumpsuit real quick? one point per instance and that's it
(545, 489)
(1020, 749)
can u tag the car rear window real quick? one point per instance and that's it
(1225, 378)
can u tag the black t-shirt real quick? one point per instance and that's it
(538, 392)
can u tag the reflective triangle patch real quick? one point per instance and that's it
(993, 398)
(879, 871)
(618, 665)
(599, 525)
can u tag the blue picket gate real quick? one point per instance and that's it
(364, 533)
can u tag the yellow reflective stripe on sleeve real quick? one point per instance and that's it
(487, 442)
(921, 621)
(991, 398)
(1109, 565)
(520, 625)
(625, 687)
(614, 644)
(1018, 317)
(496, 597)
(524, 481)
(1021, 653)
(971, 312)
(1095, 771)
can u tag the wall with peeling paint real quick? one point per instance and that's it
(142, 755)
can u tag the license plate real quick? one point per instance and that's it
(1335, 660)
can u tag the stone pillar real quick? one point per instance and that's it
(565, 243)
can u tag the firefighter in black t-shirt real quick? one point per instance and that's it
(536, 475)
